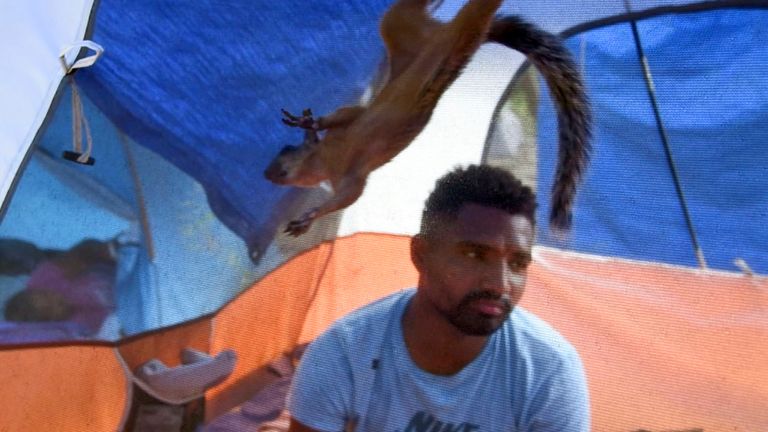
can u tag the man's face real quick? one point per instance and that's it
(473, 270)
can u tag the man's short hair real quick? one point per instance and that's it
(477, 184)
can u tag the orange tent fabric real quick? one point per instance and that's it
(665, 348)
(299, 300)
(64, 388)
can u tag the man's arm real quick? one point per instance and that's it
(321, 391)
(561, 402)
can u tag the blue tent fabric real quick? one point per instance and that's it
(204, 86)
(196, 265)
(709, 73)
(202, 83)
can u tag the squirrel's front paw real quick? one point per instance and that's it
(305, 121)
(299, 226)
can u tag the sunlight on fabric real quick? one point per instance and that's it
(455, 135)
(32, 70)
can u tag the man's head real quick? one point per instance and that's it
(474, 247)
(479, 184)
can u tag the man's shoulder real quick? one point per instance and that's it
(373, 314)
(359, 334)
(362, 325)
(538, 337)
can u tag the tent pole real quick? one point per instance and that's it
(665, 139)
(143, 214)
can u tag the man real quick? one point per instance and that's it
(456, 354)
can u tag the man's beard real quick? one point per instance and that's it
(472, 323)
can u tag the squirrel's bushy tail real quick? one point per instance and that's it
(548, 54)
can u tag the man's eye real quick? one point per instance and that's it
(519, 264)
(472, 254)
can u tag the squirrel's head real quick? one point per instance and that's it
(295, 166)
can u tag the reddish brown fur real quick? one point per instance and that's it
(425, 57)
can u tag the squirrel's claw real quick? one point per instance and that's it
(305, 121)
(299, 226)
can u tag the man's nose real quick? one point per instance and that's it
(501, 279)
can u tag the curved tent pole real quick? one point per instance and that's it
(664, 138)
(141, 202)
(650, 12)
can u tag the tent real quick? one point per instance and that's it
(660, 286)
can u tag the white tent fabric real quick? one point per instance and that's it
(35, 33)
(454, 136)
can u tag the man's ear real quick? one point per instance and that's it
(418, 251)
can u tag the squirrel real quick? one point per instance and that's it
(425, 56)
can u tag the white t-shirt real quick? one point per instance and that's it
(526, 378)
